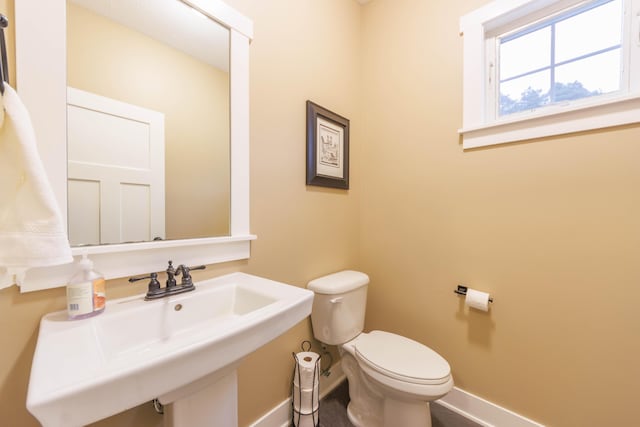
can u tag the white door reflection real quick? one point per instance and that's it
(115, 172)
(164, 56)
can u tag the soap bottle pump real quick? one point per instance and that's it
(85, 291)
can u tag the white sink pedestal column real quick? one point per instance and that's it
(211, 401)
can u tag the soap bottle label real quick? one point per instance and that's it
(86, 297)
(80, 298)
(99, 295)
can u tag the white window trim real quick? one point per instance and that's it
(598, 113)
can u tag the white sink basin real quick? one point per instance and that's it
(87, 370)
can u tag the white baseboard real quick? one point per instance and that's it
(280, 416)
(482, 411)
(475, 408)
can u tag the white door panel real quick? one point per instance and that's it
(84, 211)
(119, 147)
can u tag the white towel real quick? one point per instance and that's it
(31, 230)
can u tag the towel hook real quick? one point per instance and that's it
(4, 65)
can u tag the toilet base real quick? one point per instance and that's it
(370, 408)
(397, 413)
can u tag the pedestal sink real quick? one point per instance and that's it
(182, 349)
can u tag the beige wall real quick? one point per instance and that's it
(306, 50)
(303, 50)
(549, 227)
(114, 61)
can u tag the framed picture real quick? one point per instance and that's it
(327, 148)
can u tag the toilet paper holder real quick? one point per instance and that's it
(462, 290)
(305, 401)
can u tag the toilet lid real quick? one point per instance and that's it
(402, 358)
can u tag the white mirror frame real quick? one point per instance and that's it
(42, 79)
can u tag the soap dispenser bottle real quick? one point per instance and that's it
(85, 291)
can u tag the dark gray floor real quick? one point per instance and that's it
(333, 412)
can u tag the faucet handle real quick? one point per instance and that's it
(154, 285)
(186, 273)
(152, 276)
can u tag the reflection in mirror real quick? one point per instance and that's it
(148, 122)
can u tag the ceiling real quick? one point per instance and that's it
(171, 22)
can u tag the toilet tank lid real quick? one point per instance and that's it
(337, 283)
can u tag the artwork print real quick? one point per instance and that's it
(330, 148)
(327, 148)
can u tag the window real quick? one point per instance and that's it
(541, 68)
(570, 56)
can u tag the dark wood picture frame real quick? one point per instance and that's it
(327, 148)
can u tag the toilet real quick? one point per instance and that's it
(391, 378)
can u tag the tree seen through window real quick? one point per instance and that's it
(572, 55)
(531, 98)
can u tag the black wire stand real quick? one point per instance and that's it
(299, 417)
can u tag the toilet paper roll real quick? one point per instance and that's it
(305, 401)
(477, 299)
(307, 370)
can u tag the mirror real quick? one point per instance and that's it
(147, 122)
(42, 85)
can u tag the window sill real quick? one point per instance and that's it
(555, 121)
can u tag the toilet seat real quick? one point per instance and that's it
(401, 358)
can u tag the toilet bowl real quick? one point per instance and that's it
(391, 378)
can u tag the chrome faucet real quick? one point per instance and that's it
(155, 290)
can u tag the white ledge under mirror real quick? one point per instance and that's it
(42, 85)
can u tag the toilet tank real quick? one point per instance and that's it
(339, 304)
